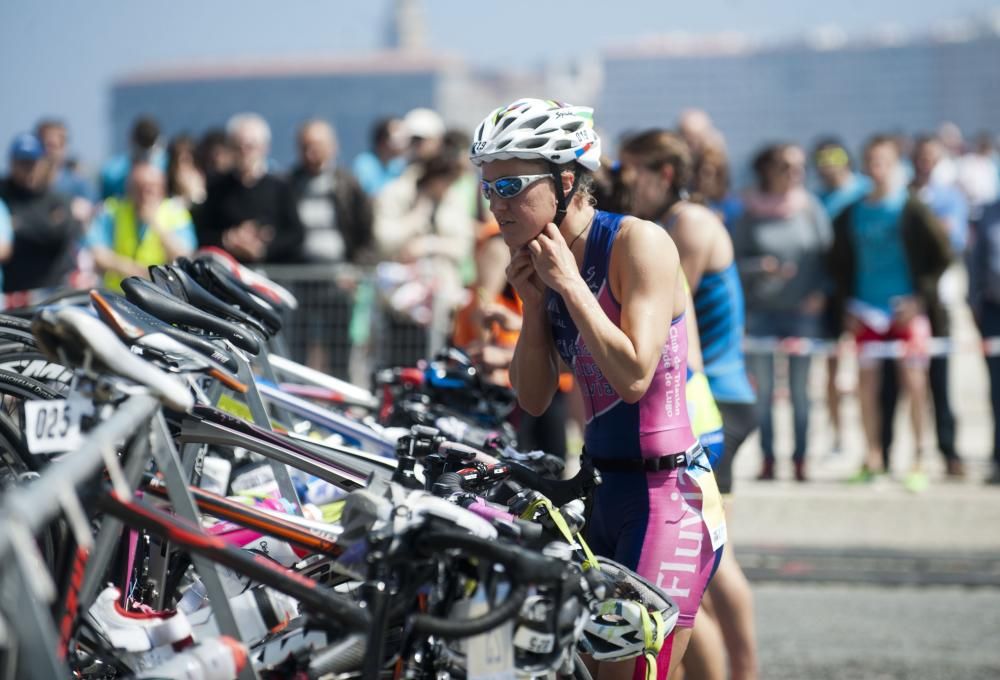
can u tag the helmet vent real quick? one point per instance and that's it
(573, 126)
(535, 122)
(534, 143)
(562, 145)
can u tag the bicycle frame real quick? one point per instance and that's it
(355, 434)
(286, 527)
(257, 567)
(352, 394)
(338, 466)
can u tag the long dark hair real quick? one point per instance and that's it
(711, 156)
(656, 148)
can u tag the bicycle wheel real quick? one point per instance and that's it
(14, 454)
(35, 365)
(15, 389)
(15, 470)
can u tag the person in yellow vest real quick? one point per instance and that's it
(142, 229)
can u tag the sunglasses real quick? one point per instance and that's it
(509, 187)
(785, 166)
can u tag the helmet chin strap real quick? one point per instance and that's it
(562, 200)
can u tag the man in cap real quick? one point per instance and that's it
(45, 231)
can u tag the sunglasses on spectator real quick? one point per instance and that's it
(509, 187)
(785, 166)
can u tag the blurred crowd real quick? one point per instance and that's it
(830, 242)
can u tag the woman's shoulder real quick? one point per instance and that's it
(693, 219)
(642, 237)
(696, 212)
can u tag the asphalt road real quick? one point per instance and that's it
(848, 632)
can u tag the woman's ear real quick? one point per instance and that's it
(567, 181)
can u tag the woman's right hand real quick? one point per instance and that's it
(522, 275)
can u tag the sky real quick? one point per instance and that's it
(60, 57)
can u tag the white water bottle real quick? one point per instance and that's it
(220, 658)
(257, 612)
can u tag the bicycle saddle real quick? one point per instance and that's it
(259, 284)
(221, 283)
(144, 294)
(70, 334)
(134, 325)
(178, 283)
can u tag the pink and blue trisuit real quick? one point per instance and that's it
(649, 521)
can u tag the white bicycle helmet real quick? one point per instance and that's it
(540, 129)
(633, 621)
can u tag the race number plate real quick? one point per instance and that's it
(51, 426)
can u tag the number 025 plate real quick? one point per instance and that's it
(51, 426)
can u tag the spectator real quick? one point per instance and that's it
(946, 201)
(422, 218)
(840, 186)
(456, 145)
(888, 255)
(978, 176)
(144, 145)
(246, 210)
(698, 132)
(143, 229)
(424, 212)
(185, 181)
(948, 205)
(946, 171)
(385, 161)
(214, 154)
(335, 214)
(45, 231)
(425, 219)
(781, 245)
(984, 299)
(424, 131)
(332, 207)
(711, 186)
(62, 177)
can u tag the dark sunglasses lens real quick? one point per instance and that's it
(509, 187)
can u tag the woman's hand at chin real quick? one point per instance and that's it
(553, 260)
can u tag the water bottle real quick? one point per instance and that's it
(220, 658)
(257, 611)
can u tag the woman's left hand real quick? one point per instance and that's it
(553, 260)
